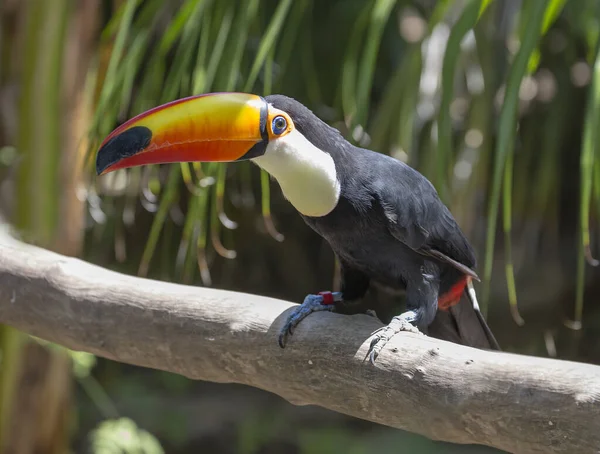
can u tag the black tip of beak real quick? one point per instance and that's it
(124, 145)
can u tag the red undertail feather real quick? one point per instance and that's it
(452, 296)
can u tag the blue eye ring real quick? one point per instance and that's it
(279, 125)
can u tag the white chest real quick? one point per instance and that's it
(307, 175)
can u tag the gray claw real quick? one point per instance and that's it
(371, 313)
(372, 352)
(383, 335)
(282, 339)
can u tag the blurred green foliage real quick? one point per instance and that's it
(123, 436)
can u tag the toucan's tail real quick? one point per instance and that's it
(488, 332)
(463, 323)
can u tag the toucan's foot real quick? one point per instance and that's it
(324, 301)
(403, 322)
(371, 313)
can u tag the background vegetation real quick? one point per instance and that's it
(497, 102)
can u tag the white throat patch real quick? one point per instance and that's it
(307, 175)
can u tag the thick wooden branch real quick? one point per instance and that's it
(438, 389)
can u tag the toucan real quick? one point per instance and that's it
(383, 219)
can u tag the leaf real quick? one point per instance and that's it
(110, 81)
(123, 436)
(168, 198)
(187, 14)
(379, 18)
(83, 363)
(266, 207)
(588, 156)
(190, 224)
(229, 73)
(268, 41)
(409, 101)
(202, 240)
(506, 133)
(467, 20)
(552, 12)
(482, 7)
(310, 74)
(199, 82)
(217, 50)
(388, 108)
(350, 66)
(131, 65)
(219, 217)
(289, 34)
(507, 220)
(181, 64)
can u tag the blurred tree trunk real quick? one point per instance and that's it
(80, 47)
(51, 51)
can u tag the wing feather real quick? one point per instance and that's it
(417, 217)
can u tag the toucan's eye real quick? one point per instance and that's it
(279, 125)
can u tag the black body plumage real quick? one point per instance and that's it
(390, 226)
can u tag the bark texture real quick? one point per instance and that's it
(435, 388)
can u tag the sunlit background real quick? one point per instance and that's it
(496, 102)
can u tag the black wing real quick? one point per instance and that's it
(417, 217)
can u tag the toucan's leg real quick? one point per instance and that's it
(421, 301)
(354, 286)
(324, 301)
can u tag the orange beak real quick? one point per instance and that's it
(220, 127)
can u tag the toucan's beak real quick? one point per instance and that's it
(214, 127)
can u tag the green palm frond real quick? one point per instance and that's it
(533, 13)
(588, 158)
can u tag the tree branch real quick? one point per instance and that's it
(441, 390)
